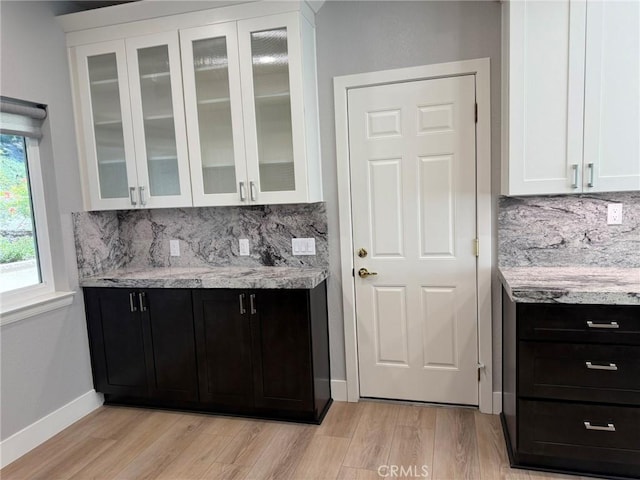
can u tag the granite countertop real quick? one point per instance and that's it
(213, 277)
(594, 285)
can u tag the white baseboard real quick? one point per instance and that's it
(497, 403)
(42, 430)
(339, 390)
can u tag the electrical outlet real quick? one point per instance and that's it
(614, 214)
(243, 244)
(174, 248)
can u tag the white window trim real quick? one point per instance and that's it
(32, 300)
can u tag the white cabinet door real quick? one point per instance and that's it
(213, 105)
(158, 121)
(108, 149)
(612, 97)
(273, 106)
(545, 54)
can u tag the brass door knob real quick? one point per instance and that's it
(364, 273)
(362, 253)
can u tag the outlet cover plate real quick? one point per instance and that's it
(614, 214)
(303, 246)
(174, 248)
(243, 245)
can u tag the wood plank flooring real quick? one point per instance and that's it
(357, 441)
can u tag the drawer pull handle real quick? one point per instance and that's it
(590, 324)
(611, 366)
(609, 428)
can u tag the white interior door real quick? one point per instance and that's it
(413, 181)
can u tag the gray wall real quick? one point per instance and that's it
(44, 359)
(358, 36)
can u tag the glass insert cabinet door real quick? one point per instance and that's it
(158, 120)
(213, 107)
(107, 130)
(270, 52)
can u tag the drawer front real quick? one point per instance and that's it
(616, 324)
(583, 372)
(580, 431)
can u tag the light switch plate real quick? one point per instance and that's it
(174, 248)
(243, 246)
(614, 214)
(303, 246)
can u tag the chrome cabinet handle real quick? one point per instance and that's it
(590, 324)
(242, 309)
(574, 167)
(132, 305)
(132, 196)
(243, 194)
(609, 428)
(252, 299)
(611, 366)
(590, 167)
(143, 201)
(141, 297)
(252, 189)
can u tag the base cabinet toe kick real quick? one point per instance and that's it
(260, 352)
(571, 387)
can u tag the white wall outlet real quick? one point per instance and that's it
(303, 246)
(244, 246)
(174, 248)
(614, 214)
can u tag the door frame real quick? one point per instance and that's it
(480, 68)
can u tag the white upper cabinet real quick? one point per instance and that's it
(216, 111)
(570, 97)
(251, 139)
(134, 139)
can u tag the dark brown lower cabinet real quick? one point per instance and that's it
(264, 351)
(571, 387)
(142, 343)
(248, 352)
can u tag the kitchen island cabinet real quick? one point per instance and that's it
(256, 352)
(571, 373)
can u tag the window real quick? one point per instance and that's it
(25, 259)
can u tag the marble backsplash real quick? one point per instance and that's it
(208, 237)
(568, 230)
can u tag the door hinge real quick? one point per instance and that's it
(480, 367)
(476, 243)
(476, 112)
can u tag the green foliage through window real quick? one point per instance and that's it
(16, 218)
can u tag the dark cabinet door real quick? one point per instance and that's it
(223, 337)
(281, 349)
(116, 341)
(169, 343)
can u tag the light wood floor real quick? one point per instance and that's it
(354, 441)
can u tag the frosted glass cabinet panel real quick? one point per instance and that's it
(107, 124)
(270, 61)
(213, 105)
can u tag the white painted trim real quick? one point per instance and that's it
(35, 306)
(481, 69)
(339, 390)
(42, 430)
(124, 27)
(497, 403)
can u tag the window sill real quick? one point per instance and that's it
(15, 312)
